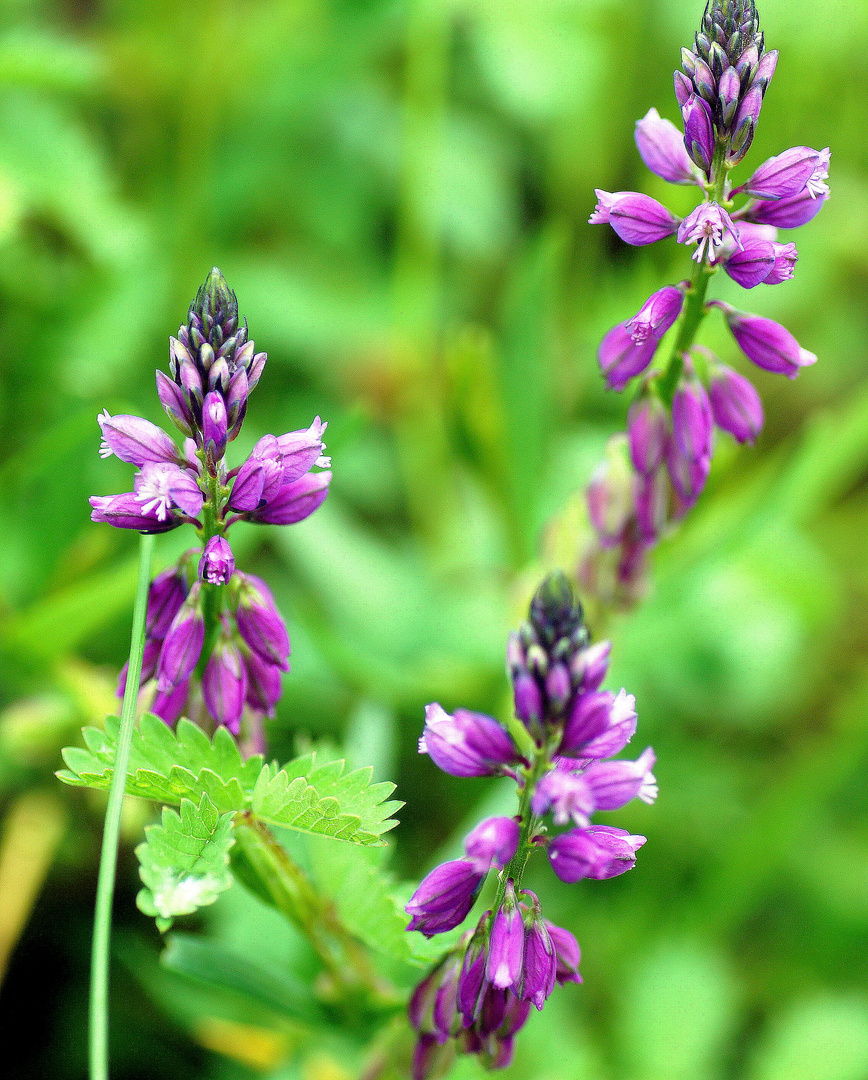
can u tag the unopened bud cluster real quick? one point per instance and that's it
(215, 643)
(677, 405)
(480, 994)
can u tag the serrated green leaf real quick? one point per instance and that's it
(184, 862)
(168, 767)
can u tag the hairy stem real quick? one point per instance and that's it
(98, 1025)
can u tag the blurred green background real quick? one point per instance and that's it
(398, 191)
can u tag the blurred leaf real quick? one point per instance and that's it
(821, 1039)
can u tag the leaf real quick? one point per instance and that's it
(185, 861)
(171, 766)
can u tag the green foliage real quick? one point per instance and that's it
(170, 767)
(184, 862)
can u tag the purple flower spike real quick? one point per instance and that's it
(698, 132)
(567, 953)
(126, 512)
(494, 840)
(183, 644)
(615, 783)
(647, 427)
(224, 684)
(506, 943)
(598, 852)
(540, 962)
(467, 743)
(135, 440)
(768, 344)
(662, 149)
(639, 219)
(214, 426)
(709, 226)
(260, 624)
(782, 176)
(217, 564)
(294, 502)
(621, 358)
(444, 897)
(735, 404)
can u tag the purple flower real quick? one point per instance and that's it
(264, 684)
(566, 795)
(183, 643)
(698, 132)
(126, 512)
(656, 315)
(217, 564)
(637, 219)
(260, 624)
(169, 704)
(503, 966)
(224, 683)
(786, 258)
(613, 784)
(745, 125)
(709, 226)
(301, 450)
(588, 720)
(622, 358)
(260, 478)
(768, 344)
(567, 953)
(652, 505)
(591, 664)
(782, 176)
(167, 592)
(494, 840)
(540, 961)
(752, 264)
(620, 730)
(174, 401)
(598, 852)
(444, 897)
(648, 428)
(214, 425)
(787, 213)
(295, 501)
(135, 440)
(735, 404)
(661, 147)
(728, 94)
(467, 743)
(688, 451)
(471, 981)
(162, 488)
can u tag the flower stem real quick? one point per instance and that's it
(98, 1026)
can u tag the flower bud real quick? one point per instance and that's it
(768, 344)
(444, 897)
(698, 132)
(183, 643)
(467, 743)
(217, 564)
(598, 852)
(214, 431)
(647, 427)
(506, 943)
(260, 624)
(224, 683)
(735, 404)
(661, 147)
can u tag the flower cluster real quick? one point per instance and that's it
(653, 477)
(479, 995)
(215, 643)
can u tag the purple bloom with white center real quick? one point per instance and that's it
(126, 512)
(444, 897)
(598, 852)
(735, 404)
(567, 796)
(657, 314)
(466, 743)
(217, 564)
(162, 488)
(613, 784)
(661, 147)
(709, 226)
(621, 357)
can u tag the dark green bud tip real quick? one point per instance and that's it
(554, 611)
(215, 302)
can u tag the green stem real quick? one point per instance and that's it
(98, 1027)
(528, 821)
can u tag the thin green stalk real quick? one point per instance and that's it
(98, 1027)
